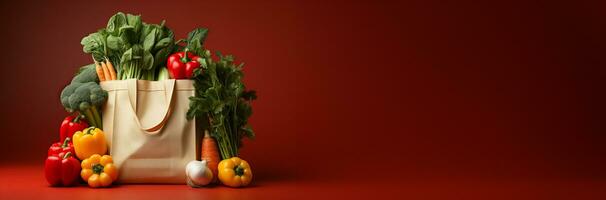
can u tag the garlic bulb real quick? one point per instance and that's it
(198, 173)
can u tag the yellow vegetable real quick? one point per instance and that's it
(235, 172)
(88, 142)
(99, 171)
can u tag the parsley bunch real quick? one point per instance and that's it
(221, 98)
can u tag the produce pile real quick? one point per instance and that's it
(128, 48)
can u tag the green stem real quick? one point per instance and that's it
(132, 71)
(228, 144)
(225, 150)
(119, 73)
(77, 119)
(97, 117)
(65, 142)
(90, 117)
(67, 155)
(220, 138)
(98, 168)
(89, 130)
(184, 58)
(229, 135)
(234, 127)
(129, 71)
(239, 170)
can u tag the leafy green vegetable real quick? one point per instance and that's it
(138, 50)
(195, 40)
(86, 74)
(163, 74)
(222, 98)
(94, 44)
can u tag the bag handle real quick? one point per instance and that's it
(169, 89)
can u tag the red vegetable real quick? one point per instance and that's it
(62, 170)
(58, 147)
(70, 125)
(181, 66)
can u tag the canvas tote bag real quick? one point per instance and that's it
(149, 137)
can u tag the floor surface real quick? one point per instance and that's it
(27, 182)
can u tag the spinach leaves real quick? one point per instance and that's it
(137, 49)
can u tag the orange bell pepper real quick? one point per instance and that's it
(99, 171)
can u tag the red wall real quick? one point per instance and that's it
(411, 90)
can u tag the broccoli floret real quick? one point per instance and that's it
(86, 74)
(84, 98)
(67, 91)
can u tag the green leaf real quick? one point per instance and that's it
(148, 60)
(164, 42)
(168, 33)
(160, 31)
(137, 51)
(115, 43)
(115, 23)
(195, 39)
(126, 29)
(127, 56)
(92, 42)
(149, 41)
(197, 34)
(127, 32)
(145, 30)
(134, 21)
(248, 132)
(161, 56)
(249, 95)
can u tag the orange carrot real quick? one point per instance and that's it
(99, 71)
(105, 71)
(210, 153)
(110, 68)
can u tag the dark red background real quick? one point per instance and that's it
(421, 98)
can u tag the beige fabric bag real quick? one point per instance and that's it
(148, 135)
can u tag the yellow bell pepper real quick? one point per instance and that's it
(235, 172)
(88, 142)
(99, 171)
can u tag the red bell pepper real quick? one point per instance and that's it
(181, 66)
(70, 125)
(62, 170)
(58, 147)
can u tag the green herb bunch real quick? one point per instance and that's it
(221, 97)
(137, 49)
